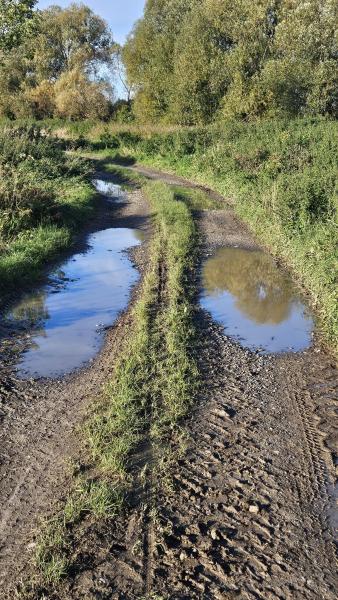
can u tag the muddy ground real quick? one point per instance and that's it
(246, 513)
(40, 418)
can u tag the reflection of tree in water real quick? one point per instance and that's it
(31, 308)
(262, 292)
(140, 235)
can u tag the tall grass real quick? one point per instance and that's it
(44, 196)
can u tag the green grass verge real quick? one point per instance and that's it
(281, 178)
(45, 196)
(152, 389)
(24, 257)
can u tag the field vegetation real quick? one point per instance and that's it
(279, 174)
(45, 195)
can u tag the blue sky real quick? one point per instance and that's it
(120, 14)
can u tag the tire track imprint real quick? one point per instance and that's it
(244, 515)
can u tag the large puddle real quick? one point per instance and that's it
(66, 318)
(255, 301)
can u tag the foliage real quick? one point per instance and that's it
(16, 19)
(193, 62)
(59, 72)
(77, 97)
(70, 38)
(43, 195)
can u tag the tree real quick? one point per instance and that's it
(16, 18)
(76, 97)
(71, 46)
(149, 55)
(193, 61)
(71, 38)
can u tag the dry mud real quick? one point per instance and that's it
(245, 512)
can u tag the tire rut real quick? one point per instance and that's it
(243, 524)
(245, 515)
(39, 425)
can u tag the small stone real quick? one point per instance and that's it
(183, 556)
(214, 534)
(254, 509)
(31, 546)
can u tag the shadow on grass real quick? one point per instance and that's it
(124, 161)
(108, 169)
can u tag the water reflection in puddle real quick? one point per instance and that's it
(255, 301)
(109, 189)
(83, 296)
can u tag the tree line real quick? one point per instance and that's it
(187, 61)
(194, 61)
(55, 62)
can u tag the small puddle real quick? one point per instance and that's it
(256, 302)
(111, 190)
(66, 318)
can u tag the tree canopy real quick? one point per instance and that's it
(196, 60)
(16, 18)
(59, 70)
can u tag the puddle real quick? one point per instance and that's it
(67, 317)
(255, 301)
(109, 189)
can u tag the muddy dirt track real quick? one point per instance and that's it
(247, 511)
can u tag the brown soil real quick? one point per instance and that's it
(245, 513)
(39, 420)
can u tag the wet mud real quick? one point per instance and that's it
(40, 418)
(246, 512)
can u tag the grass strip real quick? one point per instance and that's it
(154, 382)
(281, 177)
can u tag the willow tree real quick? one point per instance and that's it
(73, 44)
